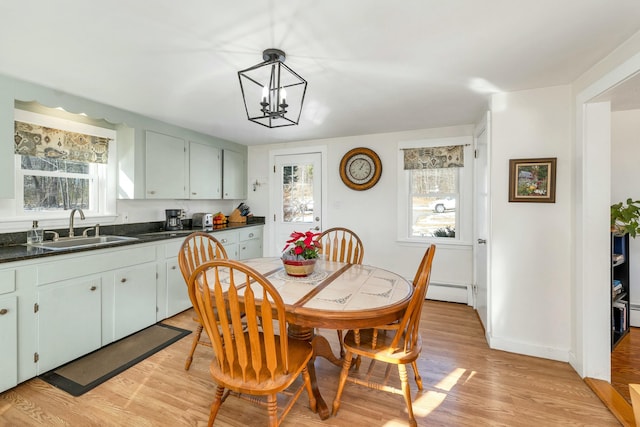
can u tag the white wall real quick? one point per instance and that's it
(625, 175)
(372, 214)
(531, 242)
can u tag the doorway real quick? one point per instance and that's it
(592, 238)
(481, 226)
(297, 196)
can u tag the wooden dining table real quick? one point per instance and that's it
(335, 296)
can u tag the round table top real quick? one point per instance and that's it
(338, 295)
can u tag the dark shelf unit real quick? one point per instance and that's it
(619, 288)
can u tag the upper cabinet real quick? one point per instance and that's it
(205, 171)
(234, 175)
(165, 167)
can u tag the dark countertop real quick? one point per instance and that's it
(11, 251)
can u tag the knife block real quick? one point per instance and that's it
(237, 217)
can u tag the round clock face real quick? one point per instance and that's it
(360, 168)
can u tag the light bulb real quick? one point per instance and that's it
(283, 96)
(265, 93)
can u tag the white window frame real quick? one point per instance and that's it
(103, 176)
(464, 204)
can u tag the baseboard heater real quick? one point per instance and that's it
(452, 292)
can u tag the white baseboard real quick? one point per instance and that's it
(449, 292)
(562, 355)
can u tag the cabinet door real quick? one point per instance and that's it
(9, 340)
(69, 321)
(177, 294)
(205, 171)
(134, 299)
(165, 166)
(229, 240)
(233, 175)
(250, 243)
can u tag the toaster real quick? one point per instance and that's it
(202, 221)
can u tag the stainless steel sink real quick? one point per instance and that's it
(82, 242)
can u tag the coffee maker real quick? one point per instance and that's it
(174, 221)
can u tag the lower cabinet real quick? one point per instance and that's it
(9, 340)
(229, 240)
(69, 321)
(177, 294)
(134, 299)
(250, 243)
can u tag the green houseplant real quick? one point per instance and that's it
(625, 218)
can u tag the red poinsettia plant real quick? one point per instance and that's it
(302, 246)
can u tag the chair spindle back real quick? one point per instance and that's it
(239, 308)
(341, 245)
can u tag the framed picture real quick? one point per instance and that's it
(532, 180)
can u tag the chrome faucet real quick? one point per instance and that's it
(73, 211)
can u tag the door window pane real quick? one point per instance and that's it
(297, 191)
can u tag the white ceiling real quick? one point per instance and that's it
(373, 66)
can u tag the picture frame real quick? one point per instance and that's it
(532, 180)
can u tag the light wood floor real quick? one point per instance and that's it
(466, 384)
(625, 363)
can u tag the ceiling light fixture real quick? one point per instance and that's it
(272, 92)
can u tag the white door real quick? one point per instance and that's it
(481, 228)
(298, 195)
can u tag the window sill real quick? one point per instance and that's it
(453, 244)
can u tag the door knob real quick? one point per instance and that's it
(482, 241)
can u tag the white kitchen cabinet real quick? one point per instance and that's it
(229, 239)
(9, 340)
(205, 171)
(134, 301)
(69, 321)
(177, 296)
(250, 245)
(165, 167)
(234, 175)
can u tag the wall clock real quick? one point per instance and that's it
(360, 168)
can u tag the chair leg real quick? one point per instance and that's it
(343, 379)
(307, 383)
(417, 376)
(215, 406)
(194, 344)
(339, 331)
(402, 371)
(272, 410)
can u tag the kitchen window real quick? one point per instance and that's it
(61, 165)
(435, 202)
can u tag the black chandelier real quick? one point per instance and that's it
(272, 92)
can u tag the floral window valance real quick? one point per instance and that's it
(40, 141)
(434, 157)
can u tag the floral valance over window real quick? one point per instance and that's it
(40, 141)
(434, 157)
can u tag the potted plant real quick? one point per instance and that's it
(300, 254)
(625, 218)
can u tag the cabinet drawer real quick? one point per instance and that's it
(99, 260)
(172, 248)
(226, 237)
(251, 233)
(7, 281)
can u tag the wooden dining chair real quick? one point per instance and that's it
(394, 344)
(342, 245)
(242, 313)
(197, 248)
